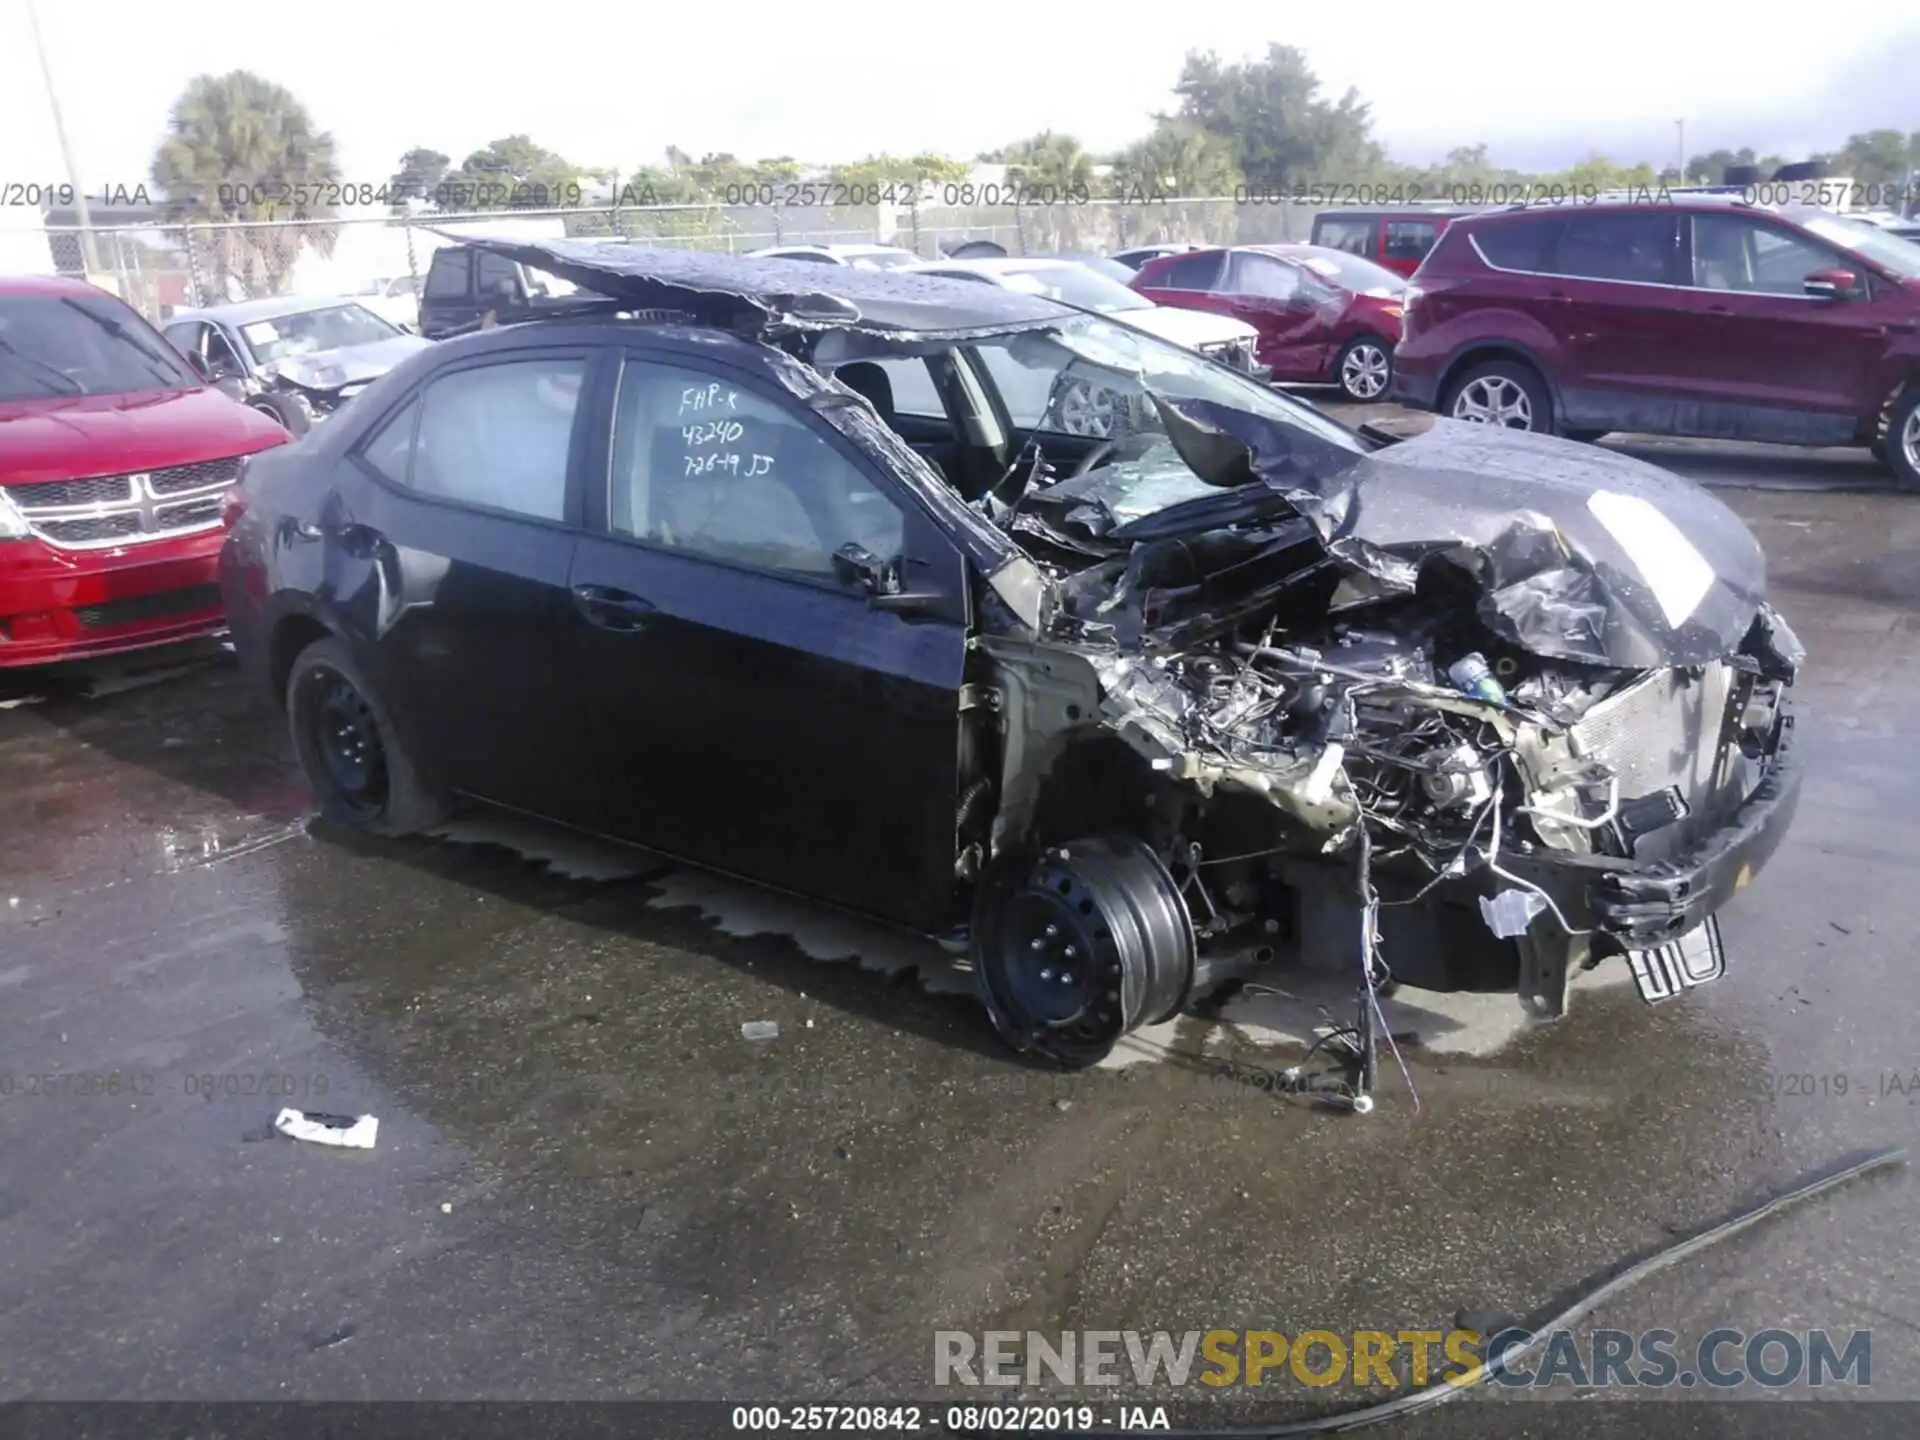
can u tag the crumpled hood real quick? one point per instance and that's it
(351, 364)
(1580, 554)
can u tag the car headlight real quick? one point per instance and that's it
(1392, 312)
(13, 525)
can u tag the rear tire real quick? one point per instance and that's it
(360, 772)
(1901, 446)
(1509, 393)
(1364, 370)
(1080, 946)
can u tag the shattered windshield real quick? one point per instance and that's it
(311, 332)
(1095, 379)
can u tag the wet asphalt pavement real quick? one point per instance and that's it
(588, 1184)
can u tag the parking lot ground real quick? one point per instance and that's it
(587, 1183)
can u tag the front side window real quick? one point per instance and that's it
(1733, 252)
(498, 276)
(496, 435)
(1264, 277)
(704, 465)
(1638, 248)
(82, 345)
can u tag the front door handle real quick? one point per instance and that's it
(612, 609)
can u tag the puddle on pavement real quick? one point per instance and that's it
(1283, 1008)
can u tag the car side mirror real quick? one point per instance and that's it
(1832, 284)
(857, 565)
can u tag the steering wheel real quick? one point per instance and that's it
(1094, 458)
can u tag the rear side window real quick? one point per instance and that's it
(1189, 272)
(495, 435)
(1640, 247)
(1410, 239)
(447, 279)
(1517, 244)
(1353, 236)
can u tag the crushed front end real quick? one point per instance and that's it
(1462, 712)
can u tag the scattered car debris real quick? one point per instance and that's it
(354, 1132)
(760, 1030)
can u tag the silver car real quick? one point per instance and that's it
(298, 358)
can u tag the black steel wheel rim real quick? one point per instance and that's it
(346, 738)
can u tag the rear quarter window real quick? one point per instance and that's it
(1517, 244)
(1187, 272)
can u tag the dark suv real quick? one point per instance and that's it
(1702, 316)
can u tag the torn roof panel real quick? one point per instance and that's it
(755, 293)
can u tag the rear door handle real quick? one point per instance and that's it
(612, 609)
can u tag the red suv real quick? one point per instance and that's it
(115, 457)
(1324, 317)
(1702, 316)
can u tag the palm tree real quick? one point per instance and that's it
(1055, 170)
(240, 148)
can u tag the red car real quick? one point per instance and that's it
(1324, 317)
(1702, 316)
(115, 457)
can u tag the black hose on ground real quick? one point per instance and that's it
(1632, 1275)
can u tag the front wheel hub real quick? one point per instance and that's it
(1079, 947)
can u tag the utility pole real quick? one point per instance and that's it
(87, 254)
(1680, 159)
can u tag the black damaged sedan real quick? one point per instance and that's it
(801, 576)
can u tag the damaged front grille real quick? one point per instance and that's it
(1236, 353)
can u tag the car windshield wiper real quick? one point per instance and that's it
(73, 386)
(159, 364)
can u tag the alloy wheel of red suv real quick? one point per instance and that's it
(1504, 393)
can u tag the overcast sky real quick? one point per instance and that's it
(766, 77)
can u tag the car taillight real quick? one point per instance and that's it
(233, 505)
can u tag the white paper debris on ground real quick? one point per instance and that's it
(760, 1030)
(356, 1133)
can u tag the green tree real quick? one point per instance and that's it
(1179, 159)
(513, 173)
(1271, 112)
(1879, 157)
(421, 171)
(910, 171)
(241, 148)
(1708, 169)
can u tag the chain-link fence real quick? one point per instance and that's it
(160, 268)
